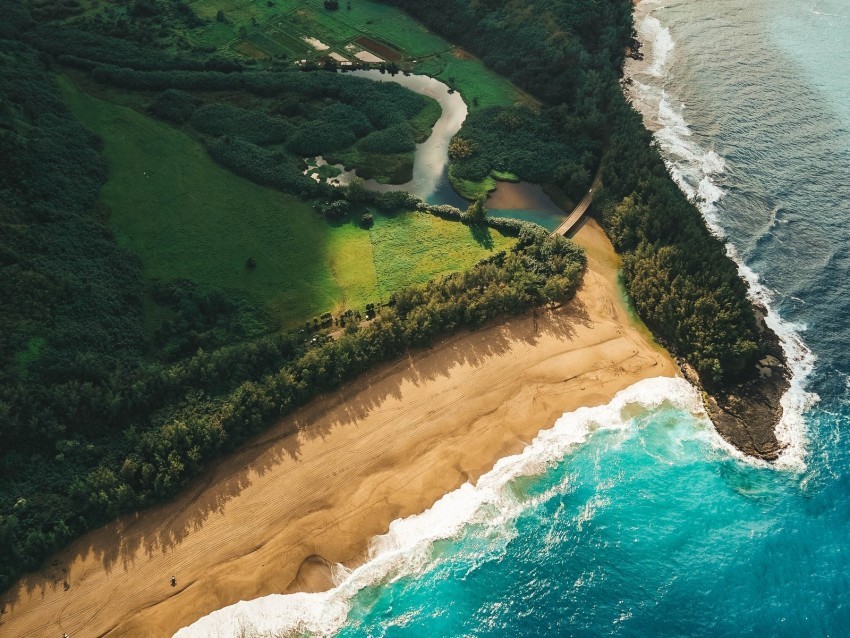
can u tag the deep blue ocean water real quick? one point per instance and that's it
(634, 519)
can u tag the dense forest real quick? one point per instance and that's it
(531, 146)
(569, 54)
(100, 414)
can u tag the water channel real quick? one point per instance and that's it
(520, 200)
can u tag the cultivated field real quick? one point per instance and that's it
(366, 31)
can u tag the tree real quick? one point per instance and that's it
(219, 16)
(476, 214)
(460, 148)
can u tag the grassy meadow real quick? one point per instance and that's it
(186, 217)
(413, 248)
(479, 86)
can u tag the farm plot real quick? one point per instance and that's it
(265, 43)
(387, 53)
(293, 45)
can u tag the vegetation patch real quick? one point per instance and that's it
(475, 189)
(523, 144)
(265, 43)
(504, 176)
(293, 45)
(471, 189)
(251, 50)
(383, 168)
(479, 86)
(414, 248)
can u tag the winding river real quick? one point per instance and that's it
(431, 162)
(430, 180)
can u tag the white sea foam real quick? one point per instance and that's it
(699, 171)
(650, 30)
(406, 549)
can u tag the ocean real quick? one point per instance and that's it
(634, 518)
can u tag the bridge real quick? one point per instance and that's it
(578, 212)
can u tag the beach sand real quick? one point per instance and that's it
(316, 487)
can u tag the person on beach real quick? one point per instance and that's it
(174, 581)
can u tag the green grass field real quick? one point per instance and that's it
(187, 217)
(473, 80)
(415, 247)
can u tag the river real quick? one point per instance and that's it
(520, 200)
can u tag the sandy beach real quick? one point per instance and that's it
(317, 486)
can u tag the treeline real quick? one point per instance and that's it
(538, 270)
(569, 54)
(253, 126)
(683, 284)
(85, 47)
(268, 168)
(384, 104)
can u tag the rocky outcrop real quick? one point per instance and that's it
(746, 414)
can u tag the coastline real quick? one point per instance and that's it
(759, 416)
(318, 486)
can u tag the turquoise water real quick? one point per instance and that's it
(634, 519)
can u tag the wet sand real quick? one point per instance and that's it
(316, 487)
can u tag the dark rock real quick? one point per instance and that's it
(746, 414)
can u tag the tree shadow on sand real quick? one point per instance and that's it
(143, 535)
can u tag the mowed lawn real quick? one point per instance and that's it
(186, 217)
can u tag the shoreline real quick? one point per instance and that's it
(751, 415)
(316, 487)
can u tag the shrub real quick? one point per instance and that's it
(174, 105)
